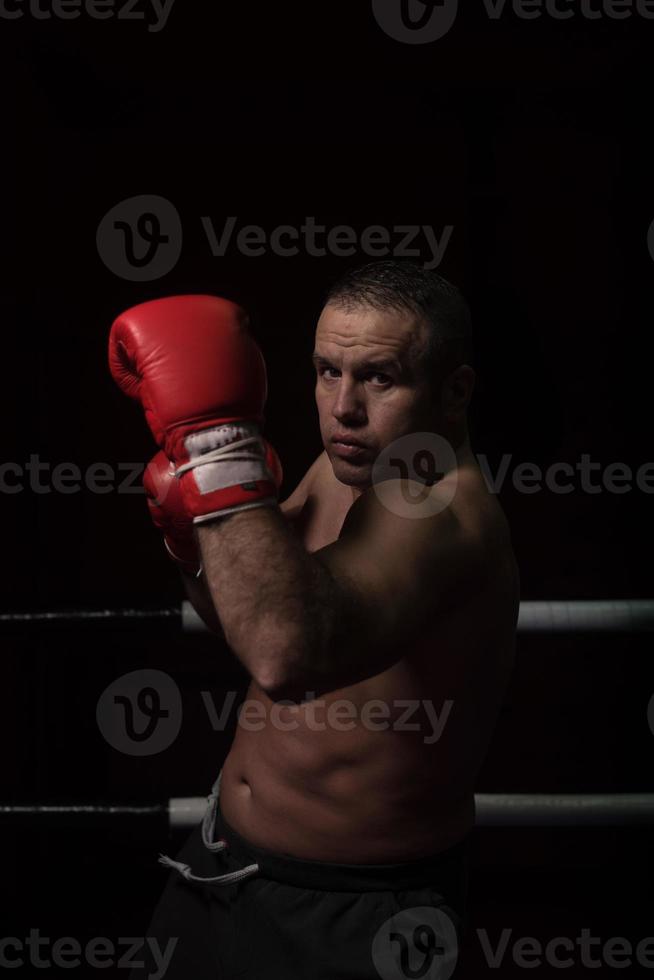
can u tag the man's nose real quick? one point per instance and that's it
(348, 405)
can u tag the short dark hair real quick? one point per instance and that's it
(405, 286)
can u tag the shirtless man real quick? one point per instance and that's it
(379, 647)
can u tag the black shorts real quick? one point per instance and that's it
(275, 916)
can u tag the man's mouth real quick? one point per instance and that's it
(347, 446)
(348, 441)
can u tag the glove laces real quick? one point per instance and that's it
(230, 452)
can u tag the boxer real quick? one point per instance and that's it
(379, 639)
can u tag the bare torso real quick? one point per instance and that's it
(368, 784)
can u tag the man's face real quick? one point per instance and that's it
(370, 386)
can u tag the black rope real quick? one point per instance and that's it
(542, 616)
(85, 809)
(82, 617)
(493, 810)
(85, 816)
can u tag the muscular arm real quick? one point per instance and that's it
(196, 588)
(200, 598)
(317, 622)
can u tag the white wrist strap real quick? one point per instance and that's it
(225, 456)
(230, 452)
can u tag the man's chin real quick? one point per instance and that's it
(351, 472)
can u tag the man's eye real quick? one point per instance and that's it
(379, 379)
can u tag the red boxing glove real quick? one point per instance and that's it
(164, 498)
(167, 510)
(201, 378)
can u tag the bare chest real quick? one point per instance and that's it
(320, 521)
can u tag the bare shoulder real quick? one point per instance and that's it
(292, 506)
(479, 511)
(415, 532)
(484, 524)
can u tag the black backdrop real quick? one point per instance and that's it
(531, 139)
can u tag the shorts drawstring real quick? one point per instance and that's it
(208, 830)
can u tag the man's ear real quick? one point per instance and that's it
(456, 392)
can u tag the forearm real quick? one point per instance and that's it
(281, 610)
(200, 598)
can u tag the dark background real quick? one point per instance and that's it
(530, 137)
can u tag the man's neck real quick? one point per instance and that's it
(460, 443)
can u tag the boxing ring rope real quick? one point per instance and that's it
(510, 810)
(493, 809)
(587, 616)
(536, 616)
